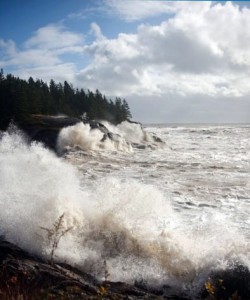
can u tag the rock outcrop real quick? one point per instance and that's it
(25, 276)
(45, 129)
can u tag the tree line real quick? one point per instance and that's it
(21, 98)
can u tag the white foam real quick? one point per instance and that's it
(82, 136)
(34, 191)
(132, 132)
(124, 136)
(129, 224)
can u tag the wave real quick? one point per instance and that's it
(128, 224)
(122, 137)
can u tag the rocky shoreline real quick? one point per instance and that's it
(25, 276)
(45, 129)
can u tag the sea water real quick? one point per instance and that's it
(165, 212)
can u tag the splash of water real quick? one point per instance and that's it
(82, 136)
(131, 132)
(129, 224)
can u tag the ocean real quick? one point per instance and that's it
(163, 204)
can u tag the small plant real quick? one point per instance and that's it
(214, 290)
(106, 272)
(54, 235)
(210, 288)
(104, 287)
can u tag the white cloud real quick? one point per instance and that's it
(53, 37)
(201, 51)
(43, 53)
(204, 49)
(96, 30)
(59, 72)
(124, 47)
(7, 47)
(133, 10)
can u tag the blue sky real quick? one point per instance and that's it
(173, 61)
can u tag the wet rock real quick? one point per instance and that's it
(45, 129)
(97, 125)
(139, 146)
(25, 276)
(233, 283)
(157, 139)
(112, 136)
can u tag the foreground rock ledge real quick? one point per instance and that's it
(27, 277)
(24, 276)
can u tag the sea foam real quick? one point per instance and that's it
(123, 137)
(128, 224)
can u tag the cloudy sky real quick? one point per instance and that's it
(172, 61)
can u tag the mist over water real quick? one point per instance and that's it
(168, 215)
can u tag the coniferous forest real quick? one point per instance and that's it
(21, 98)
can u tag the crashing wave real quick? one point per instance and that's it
(113, 220)
(105, 136)
(83, 137)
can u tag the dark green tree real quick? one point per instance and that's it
(19, 99)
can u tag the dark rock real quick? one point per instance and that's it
(134, 122)
(24, 276)
(45, 129)
(112, 136)
(97, 125)
(157, 139)
(139, 146)
(233, 283)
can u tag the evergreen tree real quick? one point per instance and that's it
(20, 98)
(1, 75)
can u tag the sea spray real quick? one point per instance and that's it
(83, 137)
(36, 187)
(132, 132)
(122, 138)
(129, 224)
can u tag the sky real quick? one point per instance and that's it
(173, 61)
